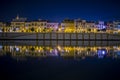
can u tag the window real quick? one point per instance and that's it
(35, 24)
(44, 24)
(41, 24)
(32, 24)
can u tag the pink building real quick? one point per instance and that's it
(52, 25)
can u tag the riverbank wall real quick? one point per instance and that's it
(59, 36)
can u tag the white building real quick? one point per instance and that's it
(101, 25)
(116, 25)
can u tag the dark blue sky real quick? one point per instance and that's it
(57, 10)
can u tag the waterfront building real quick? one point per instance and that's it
(68, 25)
(84, 26)
(90, 26)
(52, 26)
(100, 25)
(38, 25)
(27, 26)
(18, 24)
(2, 27)
(79, 25)
(110, 27)
(2, 24)
(116, 26)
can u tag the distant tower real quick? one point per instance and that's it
(17, 16)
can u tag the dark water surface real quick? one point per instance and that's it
(37, 62)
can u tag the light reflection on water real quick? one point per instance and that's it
(27, 61)
(74, 52)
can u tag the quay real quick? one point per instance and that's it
(58, 36)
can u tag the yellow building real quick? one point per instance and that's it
(84, 26)
(22, 25)
(90, 27)
(68, 25)
(2, 27)
(80, 25)
(38, 25)
(18, 24)
(27, 26)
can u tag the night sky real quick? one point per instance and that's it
(57, 10)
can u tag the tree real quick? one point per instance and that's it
(89, 30)
(32, 49)
(3, 30)
(32, 29)
(14, 29)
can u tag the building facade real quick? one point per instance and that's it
(2, 27)
(101, 27)
(38, 25)
(18, 24)
(116, 26)
(54, 26)
(68, 25)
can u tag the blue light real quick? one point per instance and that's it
(101, 53)
(104, 27)
(17, 49)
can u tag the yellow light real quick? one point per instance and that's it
(59, 48)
